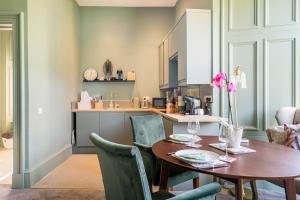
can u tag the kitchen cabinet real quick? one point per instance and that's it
(191, 41)
(166, 64)
(167, 73)
(195, 46)
(112, 126)
(161, 65)
(86, 123)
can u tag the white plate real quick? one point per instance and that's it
(207, 156)
(185, 137)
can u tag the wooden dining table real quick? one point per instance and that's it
(269, 162)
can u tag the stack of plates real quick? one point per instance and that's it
(196, 156)
(184, 138)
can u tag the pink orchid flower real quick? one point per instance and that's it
(231, 87)
(218, 79)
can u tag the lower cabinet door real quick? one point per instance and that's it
(86, 123)
(112, 126)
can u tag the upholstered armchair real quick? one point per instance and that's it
(285, 115)
(147, 130)
(124, 175)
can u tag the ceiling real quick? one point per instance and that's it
(128, 3)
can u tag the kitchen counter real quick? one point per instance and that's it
(118, 110)
(191, 118)
(176, 117)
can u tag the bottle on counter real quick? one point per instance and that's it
(181, 105)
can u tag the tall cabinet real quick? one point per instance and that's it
(190, 43)
(164, 76)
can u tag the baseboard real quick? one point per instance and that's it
(17, 181)
(35, 174)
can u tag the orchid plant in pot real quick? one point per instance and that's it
(232, 129)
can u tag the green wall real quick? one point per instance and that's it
(182, 5)
(53, 76)
(129, 37)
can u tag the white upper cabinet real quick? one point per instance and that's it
(164, 76)
(190, 41)
(166, 64)
(194, 49)
(161, 65)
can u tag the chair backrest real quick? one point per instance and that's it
(297, 116)
(123, 171)
(285, 115)
(147, 129)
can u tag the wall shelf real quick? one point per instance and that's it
(111, 81)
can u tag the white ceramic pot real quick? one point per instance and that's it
(235, 136)
(8, 143)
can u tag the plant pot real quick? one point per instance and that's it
(7, 139)
(234, 137)
(8, 143)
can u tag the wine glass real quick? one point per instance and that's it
(224, 138)
(193, 128)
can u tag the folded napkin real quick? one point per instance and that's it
(240, 150)
(208, 165)
(199, 156)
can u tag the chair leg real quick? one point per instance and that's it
(196, 182)
(254, 189)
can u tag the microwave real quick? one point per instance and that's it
(159, 103)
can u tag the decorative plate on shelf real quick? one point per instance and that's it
(90, 74)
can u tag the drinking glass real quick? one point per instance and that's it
(224, 138)
(193, 127)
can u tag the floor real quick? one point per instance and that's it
(77, 172)
(6, 166)
(79, 178)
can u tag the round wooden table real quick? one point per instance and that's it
(269, 162)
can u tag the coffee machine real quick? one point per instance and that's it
(192, 105)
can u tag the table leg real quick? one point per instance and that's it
(290, 189)
(196, 182)
(164, 175)
(254, 190)
(239, 189)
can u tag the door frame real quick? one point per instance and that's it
(16, 19)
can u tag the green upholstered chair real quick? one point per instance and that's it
(124, 175)
(147, 130)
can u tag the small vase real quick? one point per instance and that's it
(234, 137)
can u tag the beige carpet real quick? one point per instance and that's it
(6, 166)
(77, 172)
(51, 194)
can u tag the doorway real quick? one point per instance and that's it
(6, 105)
(12, 100)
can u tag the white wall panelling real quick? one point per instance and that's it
(263, 37)
(272, 8)
(236, 9)
(279, 76)
(246, 55)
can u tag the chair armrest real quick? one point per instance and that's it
(209, 190)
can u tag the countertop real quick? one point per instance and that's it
(176, 117)
(120, 110)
